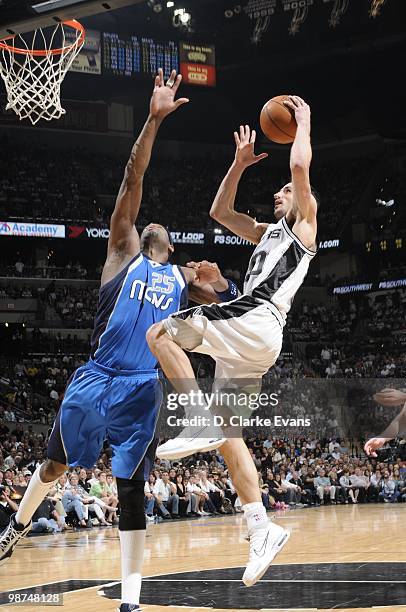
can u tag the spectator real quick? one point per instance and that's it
(293, 491)
(102, 490)
(324, 487)
(46, 519)
(215, 494)
(347, 488)
(84, 480)
(192, 487)
(374, 486)
(7, 506)
(166, 497)
(388, 492)
(360, 485)
(185, 498)
(90, 503)
(72, 502)
(149, 498)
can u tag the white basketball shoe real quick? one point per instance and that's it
(206, 439)
(265, 544)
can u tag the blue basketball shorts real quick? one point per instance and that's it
(101, 404)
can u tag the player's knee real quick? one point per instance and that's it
(52, 470)
(131, 498)
(154, 336)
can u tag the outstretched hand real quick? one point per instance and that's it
(245, 142)
(163, 101)
(373, 445)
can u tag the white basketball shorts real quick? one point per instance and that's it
(243, 336)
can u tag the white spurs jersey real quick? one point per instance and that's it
(277, 267)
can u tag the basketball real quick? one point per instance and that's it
(278, 121)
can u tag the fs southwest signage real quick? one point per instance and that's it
(198, 64)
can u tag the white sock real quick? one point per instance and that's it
(255, 515)
(35, 493)
(132, 545)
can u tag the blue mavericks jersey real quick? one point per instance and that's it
(143, 293)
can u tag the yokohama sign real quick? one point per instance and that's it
(80, 231)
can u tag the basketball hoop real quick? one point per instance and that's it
(33, 70)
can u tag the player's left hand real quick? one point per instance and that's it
(373, 445)
(206, 272)
(245, 143)
(300, 108)
(163, 101)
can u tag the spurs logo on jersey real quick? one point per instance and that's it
(278, 267)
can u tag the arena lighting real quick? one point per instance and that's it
(217, 230)
(170, 4)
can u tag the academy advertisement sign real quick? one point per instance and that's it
(33, 230)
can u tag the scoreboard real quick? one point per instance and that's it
(125, 55)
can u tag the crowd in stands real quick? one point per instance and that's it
(26, 267)
(353, 338)
(52, 185)
(362, 336)
(296, 472)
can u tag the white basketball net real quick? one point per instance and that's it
(34, 70)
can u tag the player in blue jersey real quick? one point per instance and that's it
(116, 395)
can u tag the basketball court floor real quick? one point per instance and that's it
(345, 557)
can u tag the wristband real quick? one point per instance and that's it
(229, 294)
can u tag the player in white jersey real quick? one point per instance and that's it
(244, 334)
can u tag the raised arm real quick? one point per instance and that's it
(124, 240)
(305, 205)
(222, 209)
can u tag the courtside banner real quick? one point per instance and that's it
(81, 231)
(395, 283)
(34, 230)
(198, 64)
(231, 240)
(188, 238)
